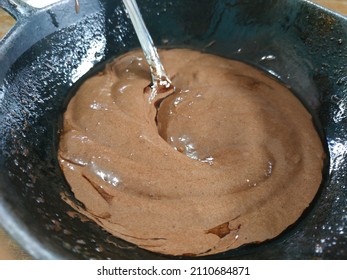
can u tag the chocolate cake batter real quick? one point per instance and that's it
(230, 158)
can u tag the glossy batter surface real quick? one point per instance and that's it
(230, 158)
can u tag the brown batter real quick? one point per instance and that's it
(236, 159)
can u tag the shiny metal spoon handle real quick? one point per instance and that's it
(150, 51)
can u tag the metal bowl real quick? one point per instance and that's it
(51, 49)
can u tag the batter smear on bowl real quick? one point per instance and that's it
(231, 157)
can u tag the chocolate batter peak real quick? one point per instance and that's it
(230, 158)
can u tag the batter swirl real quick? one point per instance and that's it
(232, 157)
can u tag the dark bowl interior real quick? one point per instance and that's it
(50, 49)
